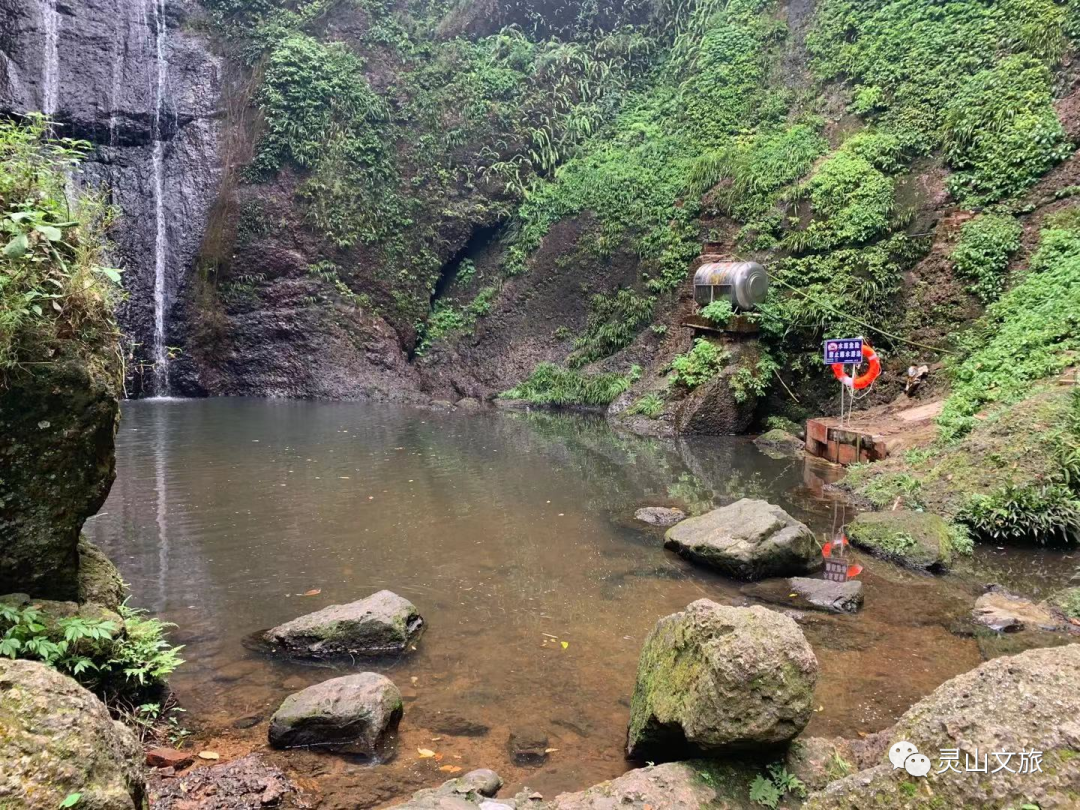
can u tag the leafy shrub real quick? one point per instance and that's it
(983, 251)
(92, 651)
(770, 788)
(650, 405)
(551, 385)
(699, 365)
(55, 287)
(753, 380)
(1043, 514)
(718, 312)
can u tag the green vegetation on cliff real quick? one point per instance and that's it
(56, 291)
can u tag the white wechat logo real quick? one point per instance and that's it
(905, 755)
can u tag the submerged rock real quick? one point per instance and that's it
(382, 624)
(56, 739)
(1024, 703)
(447, 722)
(718, 679)
(806, 593)
(354, 713)
(248, 783)
(659, 515)
(750, 539)
(916, 540)
(528, 746)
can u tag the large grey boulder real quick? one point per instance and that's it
(1027, 702)
(749, 539)
(56, 739)
(382, 624)
(354, 713)
(716, 679)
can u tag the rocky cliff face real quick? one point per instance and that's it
(136, 79)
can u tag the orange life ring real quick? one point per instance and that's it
(864, 379)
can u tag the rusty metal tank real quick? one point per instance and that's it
(744, 284)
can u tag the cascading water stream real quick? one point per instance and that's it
(51, 70)
(161, 244)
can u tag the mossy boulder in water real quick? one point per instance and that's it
(1024, 703)
(382, 624)
(354, 713)
(57, 425)
(916, 540)
(749, 539)
(717, 679)
(56, 739)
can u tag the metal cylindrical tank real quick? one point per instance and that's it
(743, 283)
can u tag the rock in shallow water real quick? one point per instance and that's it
(1005, 612)
(718, 679)
(916, 540)
(56, 739)
(750, 539)
(659, 515)
(382, 624)
(812, 594)
(528, 746)
(354, 713)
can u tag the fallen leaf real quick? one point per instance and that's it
(550, 750)
(819, 709)
(792, 595)
(209, 755)
(313, 592)
(425, 753)
(436, 739)
(565, 644)
(451, 768)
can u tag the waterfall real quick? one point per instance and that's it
(51, 72)
(161, 239)
(117, 77)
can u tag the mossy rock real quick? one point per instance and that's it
(56, 739)
(916, 540)
(715, 680)
(57, 425)
(99, 580)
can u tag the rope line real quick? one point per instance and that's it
(853, 319)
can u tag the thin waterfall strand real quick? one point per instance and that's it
(161, 243)
(51, 71)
